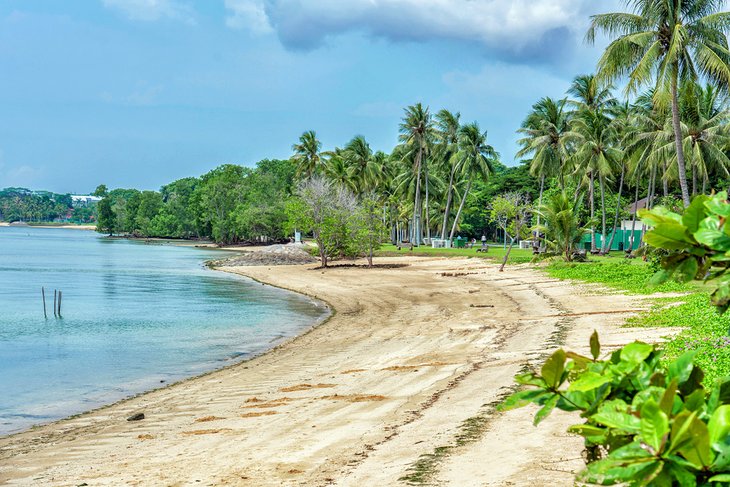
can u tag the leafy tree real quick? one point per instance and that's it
(107, 219)
(367, 226)
(101, 191)
(511, 212)
(561, 224)
(663, 42)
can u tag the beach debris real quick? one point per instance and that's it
(205, 419)
(289, 254)
(352, 371)
(306, 387)
(356, 397)
(136, 417)
(145, 437)
(260, 413)
(206, 432)
(481, 306)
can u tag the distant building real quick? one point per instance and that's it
(83, 200)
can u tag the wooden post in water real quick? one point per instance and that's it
(60, 294)
(43, 293)
(55, 293)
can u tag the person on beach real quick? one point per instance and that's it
(484, 241)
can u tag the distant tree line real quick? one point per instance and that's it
(229, 204)
(21, 204)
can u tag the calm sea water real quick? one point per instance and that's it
(134, 315)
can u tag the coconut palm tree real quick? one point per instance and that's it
(562, 224)
(416, 130)
(306, 154)
(474, 159)
(590, 93)
(663, 42)
(705, 132)
(358, 156)
(447, 137)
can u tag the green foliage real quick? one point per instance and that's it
(698, 242)
(20, 204)
(106, 221)
(645, 423)
(624, 274)
(561, 224)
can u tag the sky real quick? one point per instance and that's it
(138, 93)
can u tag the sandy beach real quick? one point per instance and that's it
(413, 352)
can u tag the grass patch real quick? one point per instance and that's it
(706, 332)
(517, 256)
(629, 275)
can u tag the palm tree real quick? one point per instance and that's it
(590, 93)
(358, 156)
(622, 123)
(561, 227)
(306, 154)
(546, 130)
(705, 130)
(416, 130)
(474, 158)
(665, 41)
(447, 136)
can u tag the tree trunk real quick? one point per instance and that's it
(694, 179)
(633, 217)
(665, 181)
(506, 254)
(461, 207)
(591, 198)
(678, 143)
(428, 218)
(601, 182)
(449, 195)
(704, 184)
(618, 208)
(539, 206)
(416, 230)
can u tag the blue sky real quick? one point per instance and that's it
(137, 93)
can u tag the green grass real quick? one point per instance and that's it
(517, 256)
(705, 330)
(630, 275)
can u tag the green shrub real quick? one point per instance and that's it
(645, 423)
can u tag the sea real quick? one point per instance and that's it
(135, 316)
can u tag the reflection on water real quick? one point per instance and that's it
(134, 315)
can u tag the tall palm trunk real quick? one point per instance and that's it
(602, 184)
(591, 198)
(461, 207)
(618, 208)
(633, 217)
(428, 219)
(449, 196)
(694, 179)
(416, 230)
(704, 184)
(539, 205)
(678, 143)
(665, 180)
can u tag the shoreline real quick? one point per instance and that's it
(387, 377)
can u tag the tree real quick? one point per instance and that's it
(447, 136)
(101, 191)
(665, 41)
(367, 227)
(511, 212)
(306, 154)
(324, 208)
(475, 159)
(561, 224)
(416, 131)
(107, 219)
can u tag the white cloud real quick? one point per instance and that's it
(248, 14)
(497, 24)
(151, 10)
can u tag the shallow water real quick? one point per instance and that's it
(133, 315)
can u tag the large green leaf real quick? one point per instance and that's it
(670, 236)
(588, 381)
(618, 420)
(681, 368)
(695, 213)
(697, 450)
(654, 425)
(595, 345)
(719, 424)
(713, 238)
(718, 205)
(522, 398)
(553, 368)
(546, 409)
(636, 352)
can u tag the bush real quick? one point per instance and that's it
(645, 423)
